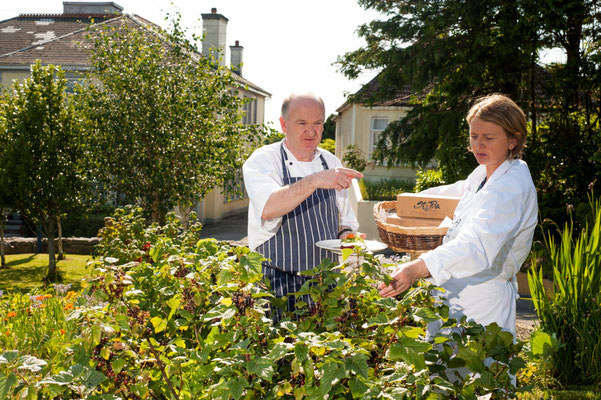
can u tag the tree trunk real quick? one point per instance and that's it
(185, 215)
(61, 255)
(155, 208)
(2, 224)
(49, 225)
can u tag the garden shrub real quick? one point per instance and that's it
(190, 321)
(384, 189)
(353, 158)
(329, 145)
(573, 311)
(82, 223)
(427, 178)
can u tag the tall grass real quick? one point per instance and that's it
(573, 310)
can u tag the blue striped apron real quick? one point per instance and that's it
(292, 249)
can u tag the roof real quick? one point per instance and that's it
(395, 98)
(60, 39)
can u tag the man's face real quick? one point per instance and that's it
(303, 127)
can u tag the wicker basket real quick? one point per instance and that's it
(406, 238)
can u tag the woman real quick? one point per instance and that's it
(493, 224)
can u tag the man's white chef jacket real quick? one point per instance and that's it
(488, 241)
(263, 175)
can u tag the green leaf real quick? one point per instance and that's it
(262, 367)
(159, 324)
(410, 354)
(543, 344)
(472, 361)
(357, 364)
(117, 364)
(358, 387)
(426, 314)
(6, 384)
(301, 352)
(9, 356)
(92, 378)
(237, 386)
(30, 363)
(253, 261)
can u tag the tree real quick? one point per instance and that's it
(329, 128)
(6, 200)
(167, 121)
(44, 154)
(449, 52)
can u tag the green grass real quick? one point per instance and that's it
(538, 394)
(26, 272)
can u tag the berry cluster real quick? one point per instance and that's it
(242, 301)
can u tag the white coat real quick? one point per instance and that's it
(486, 245)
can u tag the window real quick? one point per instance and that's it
(378, 124)
(250, 111)
(234, 189)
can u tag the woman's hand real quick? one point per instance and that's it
(403, 278)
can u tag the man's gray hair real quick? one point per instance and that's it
(294, 96)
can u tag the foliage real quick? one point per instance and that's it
(329, 129)
(167, 122)
(329, 145)
(45, 158)
(386, 189)
(190, 321)
(427, 178)
(573, 310)
(447, 53)
(273, 137)
(353, 158)
(86, 222)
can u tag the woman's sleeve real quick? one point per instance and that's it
(486, 232)
(454, 189)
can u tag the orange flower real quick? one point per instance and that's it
(63, 331)
(7, 333)
(11, 314)
(40, 298)
(43, 305)
(350, 236)
(69, 306)
(47, 296)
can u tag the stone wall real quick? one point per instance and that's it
(71, 245)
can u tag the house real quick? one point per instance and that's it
(57, 39)
(362, 123)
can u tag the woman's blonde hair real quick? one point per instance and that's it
(501, 110)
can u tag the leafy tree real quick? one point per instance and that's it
(43, 151)
(6, 201)
(329, 145)
(329, 128)
(167, 122)
(451, 52)
(354, 158)
(448, 52)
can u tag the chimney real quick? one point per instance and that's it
(91, 7)
(213, 28)
(236, 55)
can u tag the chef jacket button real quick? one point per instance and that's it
(290, 162)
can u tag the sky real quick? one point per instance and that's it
(289, 46)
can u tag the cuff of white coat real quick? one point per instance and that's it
(437, 272)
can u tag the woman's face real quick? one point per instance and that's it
(490, 144)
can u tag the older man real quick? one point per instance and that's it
(298, 196)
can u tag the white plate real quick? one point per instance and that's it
(334, 245)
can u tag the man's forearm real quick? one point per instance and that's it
(287, 198)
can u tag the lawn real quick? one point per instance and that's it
(27, 271)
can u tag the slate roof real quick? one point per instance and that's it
(395, 98)
(60, 39)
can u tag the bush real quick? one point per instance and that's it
(384, 189)
(427, 178)
(190, 321)
(82, 223)
(573, 310)
(329, 145)
(353, 158)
